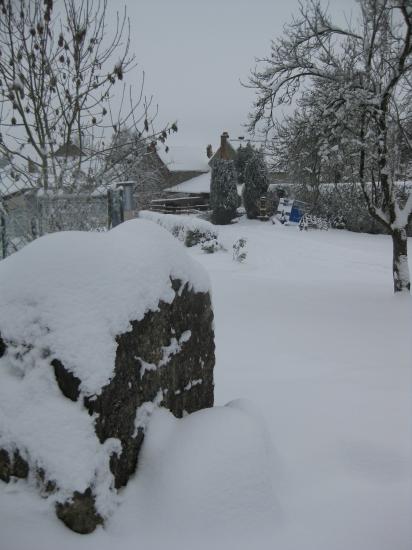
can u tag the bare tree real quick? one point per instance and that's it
(59, 72)
(132, 157)
(369, 66)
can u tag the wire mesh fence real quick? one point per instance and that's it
(28, 213)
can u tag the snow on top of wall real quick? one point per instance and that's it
(182, 157)
(70, 294)
(199, 184)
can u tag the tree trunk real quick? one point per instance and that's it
(401, 280)
(45, 174)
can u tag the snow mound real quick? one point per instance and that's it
(70, 294)
(206, 473)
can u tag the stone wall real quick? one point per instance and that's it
(167, 359)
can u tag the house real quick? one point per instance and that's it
(182, 173)
(183, 163)
(199, 185)
(68, 151)
(176, 165)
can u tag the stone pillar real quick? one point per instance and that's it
(129, 209)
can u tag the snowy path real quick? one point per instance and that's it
(308, 328)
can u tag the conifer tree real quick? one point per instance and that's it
(256, 184)
(223, 192)
(244, 154)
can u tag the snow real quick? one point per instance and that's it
(215, 459)
(145, 411)
(53, 433)
(319, 454)
(72, 293)
(180, 157)
(167, 352)
(43, 426)
(402, 214)
(199, 184)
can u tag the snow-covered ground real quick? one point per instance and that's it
(317, 455)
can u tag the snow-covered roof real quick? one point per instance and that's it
(182, 157)
(199, 184)
(230, 151)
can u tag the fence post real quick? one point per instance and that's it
(115, 207)
(129, 209)
(3, 236)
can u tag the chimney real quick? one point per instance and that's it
(224, 152)
(209, 151)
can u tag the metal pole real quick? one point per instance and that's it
(3, 237)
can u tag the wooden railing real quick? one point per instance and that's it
(180, 205)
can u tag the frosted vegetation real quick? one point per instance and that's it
(224, 198)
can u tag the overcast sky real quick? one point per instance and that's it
(195, 52)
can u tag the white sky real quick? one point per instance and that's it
(195, 52)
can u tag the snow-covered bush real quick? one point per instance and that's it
(339, 201)
(224, 199)
(239, 250)
(313, 222)
(212, 246)
(188, 229)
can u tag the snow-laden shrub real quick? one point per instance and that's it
(239, 250)
(244, 154)
(224, 199)
(256, 184)
(212, 246)
(188, 229)
(337, 202)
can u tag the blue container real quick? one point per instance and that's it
(295, 214)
